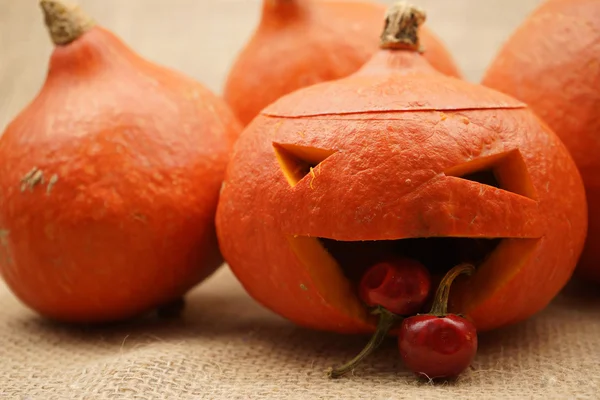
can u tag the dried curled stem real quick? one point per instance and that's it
(401, 31)
(66, 22)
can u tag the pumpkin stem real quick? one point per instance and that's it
(440, 303)
(401, 31)
(277, 3)
(281, 9)
(66, 22)
(387, 319)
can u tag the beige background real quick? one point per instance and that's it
(226, 346)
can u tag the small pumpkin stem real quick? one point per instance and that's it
(387, 319)
(440, 303)
(401, 31)
(281, 8)
(66, 22)
(275, 3)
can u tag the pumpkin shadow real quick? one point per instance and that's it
(202, 307)
(580, 293)
(204, 314)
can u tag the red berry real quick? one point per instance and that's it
(438, 344)
(437, 347)
(400, 286)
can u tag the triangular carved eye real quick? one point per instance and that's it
(506, 171)
(298, 161)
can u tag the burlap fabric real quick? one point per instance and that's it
(226, 346)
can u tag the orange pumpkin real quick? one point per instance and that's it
(552, 62)
(400, 159)
(302, 42)
(109, 180)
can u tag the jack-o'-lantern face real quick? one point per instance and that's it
(482, 211)
(312, 198)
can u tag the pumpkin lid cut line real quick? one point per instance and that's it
(374, 110)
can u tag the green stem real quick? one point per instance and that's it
(440, 303)
(386, 321)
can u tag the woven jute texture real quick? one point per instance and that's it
(226, 346)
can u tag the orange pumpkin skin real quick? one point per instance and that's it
(132, 157)
(302, 42)
(393, 137)
(552, 62)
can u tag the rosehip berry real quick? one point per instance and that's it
(398, 287)
(439, 345)
(401, 286)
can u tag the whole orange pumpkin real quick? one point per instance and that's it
(302, 42)
(109, 180)
(400, 159)
(552, 62)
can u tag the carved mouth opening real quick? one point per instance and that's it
(439, 255)
(336, 266)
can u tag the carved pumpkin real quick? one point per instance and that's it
(398, 158)
(302, 42)
(552, 62)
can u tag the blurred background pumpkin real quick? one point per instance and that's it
(208, 35)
